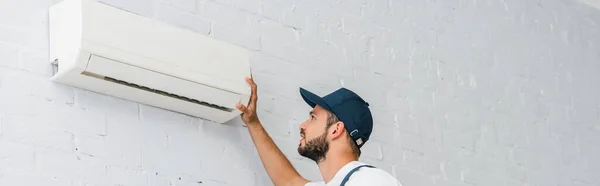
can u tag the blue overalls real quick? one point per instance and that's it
(352, 172)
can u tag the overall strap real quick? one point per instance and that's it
(352, 172)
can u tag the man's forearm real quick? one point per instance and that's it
(278, 167)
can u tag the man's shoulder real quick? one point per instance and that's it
(373, 176)
(362, 176)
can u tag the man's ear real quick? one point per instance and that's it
(337, 129)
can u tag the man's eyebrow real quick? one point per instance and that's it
(312, 112)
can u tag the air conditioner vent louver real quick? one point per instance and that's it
(133, 85)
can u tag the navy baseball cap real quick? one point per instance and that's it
(350, 108)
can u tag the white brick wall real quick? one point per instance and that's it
(493, 92)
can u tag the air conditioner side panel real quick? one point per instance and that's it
(65, 24)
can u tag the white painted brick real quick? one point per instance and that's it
(165, 119)
(385, 133)
(16, 158)
(37, 88)
(28, 129)
(381, 116)
(517, 173)
(545, 177)
(414, 161)
(126, 177)
(21, 14)
(54, 163)
(245, 176)
(140, 7)
(156, 180)
(8, 54)
(24, 23)
(189, 163)
(79, 121)
(286, 145)
(251, 6)
(274, 66)
(123, 144)
(408, 177)
(276, 125)
(393, 154)
(406, 122)
(187, 5)
(112, 106)
(296, 17)
(411, 142)
(307, 169)
(223, 14)
(461, 139)
(378, 11)
(352, 7)
(276, 86)
(452, 171)
(372, 149)
(91, 145)
(286, 50)
(356, 26)
(481, 178)
(232, 34)
(35, 61)
(183, 19)
(523, 158)
(273, 9)
(182, 180)
(294, 108)
(589, 134)
(275, 31)
(433, 165)
(32, 179)
(90, 170)
(216, 168)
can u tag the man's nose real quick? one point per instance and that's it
(302, 126)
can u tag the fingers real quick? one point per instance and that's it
(241, 107)
(253, 96)
(250, 81)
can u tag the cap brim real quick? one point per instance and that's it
(312, 99)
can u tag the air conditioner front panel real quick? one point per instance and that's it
(127, 75)
(198, 57)
(91, 79)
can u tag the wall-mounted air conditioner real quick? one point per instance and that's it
(107, 50)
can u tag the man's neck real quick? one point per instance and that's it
(332, 164)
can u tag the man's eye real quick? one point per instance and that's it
(312, 117)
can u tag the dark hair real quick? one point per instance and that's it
(331, 119)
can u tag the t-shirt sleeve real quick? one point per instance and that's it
(366, 177)
(320, 183)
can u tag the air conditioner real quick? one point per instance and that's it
(114, 52)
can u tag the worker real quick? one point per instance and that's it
(337, 127)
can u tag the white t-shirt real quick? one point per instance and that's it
(363, 176)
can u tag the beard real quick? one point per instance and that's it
(315, 149)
